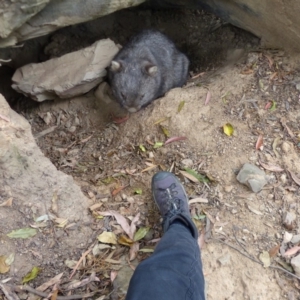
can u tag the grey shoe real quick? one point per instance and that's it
(172, 201)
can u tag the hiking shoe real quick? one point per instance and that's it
(172, 201)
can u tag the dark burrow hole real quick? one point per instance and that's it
(205, 39)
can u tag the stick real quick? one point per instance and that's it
(258, 262)
(80, 260)
(46, 295)
(8, 292)
(44, 132)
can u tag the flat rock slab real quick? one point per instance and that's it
(32, 183)
(253, 177)
(67, 76)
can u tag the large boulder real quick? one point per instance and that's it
(57, 14)
(276, 22)
(67, 76)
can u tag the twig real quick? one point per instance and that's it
(44, 132)
(253, 259)
(258, 262)
(46, 295)
(80, 260)
(284, 270)
(4, 118)
(8, 292)
(240, 244)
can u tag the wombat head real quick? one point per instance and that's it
(133, 85)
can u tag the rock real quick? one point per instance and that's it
(187, 162)
(122, 280)
(15, 13)
(277, 24)
(225, 259)
(228, 188)
(253, 177)
(55, 15)
(288, 220)
(295, 262)
(61, 77)
(287, 237)
(33, 181)
(296, 239)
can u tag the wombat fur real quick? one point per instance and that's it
(145, 69)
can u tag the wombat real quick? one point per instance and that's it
(145, 69)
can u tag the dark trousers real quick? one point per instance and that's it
(173, 272)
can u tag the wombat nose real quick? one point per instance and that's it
(132, 109)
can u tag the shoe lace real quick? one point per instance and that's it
(172, 202)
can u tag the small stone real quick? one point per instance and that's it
(187, 162)
(225, 259)
(288, 220)
(298, 86)
(283, 178)
(124, 197)
(234, 211)
(228, 188)
(253, 177)
(287, 237)
(286, 147)
(295, 262)
(296, 239)
(72, 129)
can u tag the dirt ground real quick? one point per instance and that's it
(233, 81)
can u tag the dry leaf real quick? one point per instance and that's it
(259, 143)
(265, 258)
(4, 268)
(95, 206)
(201, 239)
(133, 251)
(133, 226)
(118, 190)
(198, 200)
(228, 129)
(189, 176)
(8, 202)
(257, 212)
(268, 105)
(118, 120)
(124, 240)
(54, 206)
(274, 251)
(113, 275)
(54, 294)
(107, 238)
(180, 106)
(149, 168)
(120, 219)
(295, 178)
(271, 167)
(271, 62)
(292, 251)
(175, 139)
(208, 97)
(50, 282)
(161, 120)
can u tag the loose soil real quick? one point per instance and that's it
(233, 81)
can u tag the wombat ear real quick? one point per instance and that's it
(151, 70)
(115, 66)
